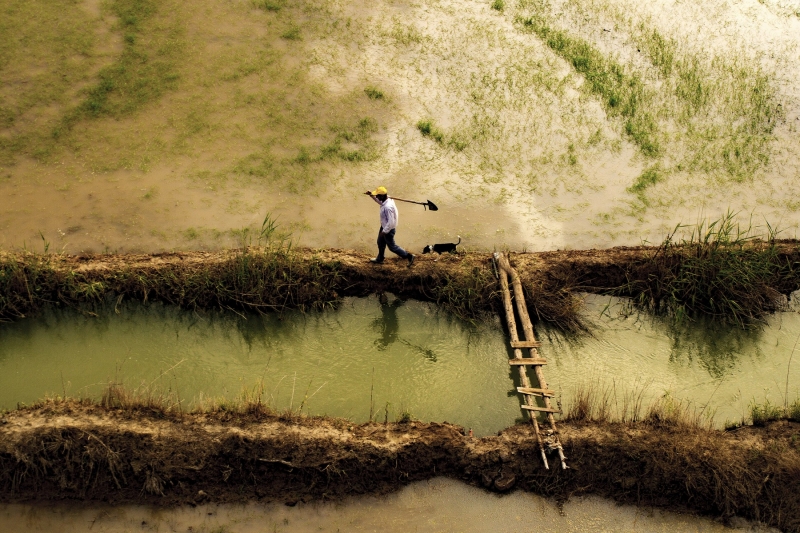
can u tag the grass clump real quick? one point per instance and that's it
(766, 412)
(271, 277)
(498, 5)
(269, 5)
(593, 402)
(292, 34)
(646, 179)
(374, 93)
(721, 270)
(429, 129)
(353, 144)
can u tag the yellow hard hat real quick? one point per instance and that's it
(380, 190)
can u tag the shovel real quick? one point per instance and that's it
(428, 205)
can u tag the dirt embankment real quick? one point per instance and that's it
(737, 282)
(78, 451)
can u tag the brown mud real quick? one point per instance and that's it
(80, 451)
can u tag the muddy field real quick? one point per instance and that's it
(83, 452)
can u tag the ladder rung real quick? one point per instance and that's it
(536, 392)
(525, 344)
(527, 361)
(542, 409)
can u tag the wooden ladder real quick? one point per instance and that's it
(529, 343)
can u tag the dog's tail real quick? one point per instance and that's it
(459, 240)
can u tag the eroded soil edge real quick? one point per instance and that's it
(68, 450)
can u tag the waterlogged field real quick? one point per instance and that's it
(437, 505)
(392, 359)
(142, 125)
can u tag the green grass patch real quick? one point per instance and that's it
(429, 129)
(146, 69)
(622, 94)
(725, 106)
(498, 5)
(646, 179)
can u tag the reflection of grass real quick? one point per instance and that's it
(713, 346)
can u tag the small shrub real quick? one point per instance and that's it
(731, 425)
(292, 34)
(428, 129)
(762, 414)
(405, 417)
(374, 93)
(498, 5)
(793, 412)
(269, 5)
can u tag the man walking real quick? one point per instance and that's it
(389, 219)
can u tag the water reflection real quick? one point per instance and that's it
(717, 348)
(412, 346)
(425, 360)
(387, 324)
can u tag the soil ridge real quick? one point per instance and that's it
(73, 450)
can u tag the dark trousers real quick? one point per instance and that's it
(388, 239)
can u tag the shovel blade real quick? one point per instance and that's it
(432, 206)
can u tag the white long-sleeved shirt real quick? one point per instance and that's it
(389, 215)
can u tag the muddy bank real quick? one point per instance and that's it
(749, 280)
(87, 452)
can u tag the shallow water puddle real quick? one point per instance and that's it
(437, 505)
(390, 357)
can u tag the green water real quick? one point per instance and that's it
(368, 354)
(408, 354)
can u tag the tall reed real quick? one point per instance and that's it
(721, 270)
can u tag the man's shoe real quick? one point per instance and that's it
(376, 260)
(410, 259)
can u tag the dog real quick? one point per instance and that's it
(442, 248)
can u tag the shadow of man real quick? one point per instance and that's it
(387, 325)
